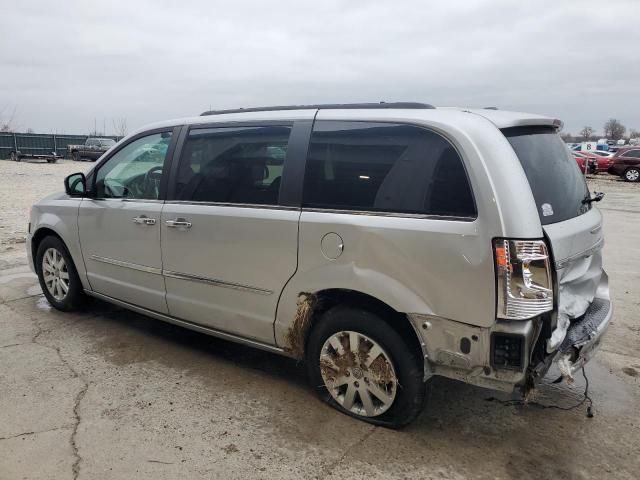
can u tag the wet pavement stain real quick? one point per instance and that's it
(191, 388)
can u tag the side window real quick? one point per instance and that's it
(633, 154)
(135, 170)
(385, 167)
(233, 165)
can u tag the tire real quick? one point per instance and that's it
(632, 174)
(15, 157)
(76, 156)
(73, 298)
(405, 393)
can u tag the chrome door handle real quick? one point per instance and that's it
(178, 223)
(144, 220)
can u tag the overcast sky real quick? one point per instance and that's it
(65, 63)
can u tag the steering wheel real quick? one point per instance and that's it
(151, 181)
(114, 189)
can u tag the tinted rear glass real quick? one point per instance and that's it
(385, 167)
(556, 182)
(233, 165)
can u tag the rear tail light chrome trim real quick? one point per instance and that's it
(524, 280)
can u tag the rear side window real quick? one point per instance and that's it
(557, 184)
(233, 165)
(632, 154)
(385, 167)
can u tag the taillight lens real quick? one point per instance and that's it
(523, 270)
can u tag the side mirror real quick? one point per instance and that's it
(76, 185)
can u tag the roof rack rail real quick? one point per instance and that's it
(325, 106)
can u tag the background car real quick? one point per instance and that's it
(597, 164)
(602, 153)
(626, 163)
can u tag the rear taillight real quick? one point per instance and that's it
(524, 282)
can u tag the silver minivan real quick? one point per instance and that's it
(382, 244)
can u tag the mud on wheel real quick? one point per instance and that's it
(360, 365)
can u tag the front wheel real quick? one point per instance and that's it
(631, 174)
(58, 275)
(76, 156)
(15, 157)
(361, 366)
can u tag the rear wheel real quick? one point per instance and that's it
(58, 275)
(361, 366)
(76, 156)
(15, 157)
(631, 174)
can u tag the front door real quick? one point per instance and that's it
(119, 225)
(228, 245)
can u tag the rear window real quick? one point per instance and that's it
(556, 182)
(368, 166)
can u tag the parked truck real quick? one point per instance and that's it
(92, 149)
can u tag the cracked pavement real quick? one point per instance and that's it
(109, 394)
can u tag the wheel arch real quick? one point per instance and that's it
(40, 235)
(70, 242)
(323, 300)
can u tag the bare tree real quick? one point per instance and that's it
(120, 126)
(30, 130)
(613, 129)
(6, 121)
(633, 133)
(566, 137)
(586, 132)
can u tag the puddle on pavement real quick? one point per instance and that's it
(34, 290)
(129, 338)
(43, 304)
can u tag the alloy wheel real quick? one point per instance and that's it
(358, 373)
(632, 175)
(55, 274)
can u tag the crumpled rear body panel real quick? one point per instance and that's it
(583, 290)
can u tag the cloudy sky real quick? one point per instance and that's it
(65, 63)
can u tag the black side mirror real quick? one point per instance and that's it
(76, 185)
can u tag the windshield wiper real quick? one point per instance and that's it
(598, 196)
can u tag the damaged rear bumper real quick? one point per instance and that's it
(583, 337)
(468, 353)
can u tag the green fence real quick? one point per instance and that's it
(40, 144)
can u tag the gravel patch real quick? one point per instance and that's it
(21, 185)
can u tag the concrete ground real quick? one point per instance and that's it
(108, 394)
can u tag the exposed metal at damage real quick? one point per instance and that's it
(584, 311)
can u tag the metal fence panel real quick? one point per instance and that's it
(40, 144)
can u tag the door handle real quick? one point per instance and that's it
(144, 220)
(178, 223)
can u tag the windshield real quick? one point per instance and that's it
(556, 182)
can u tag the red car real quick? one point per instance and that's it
(626, 163)
(596, 163)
